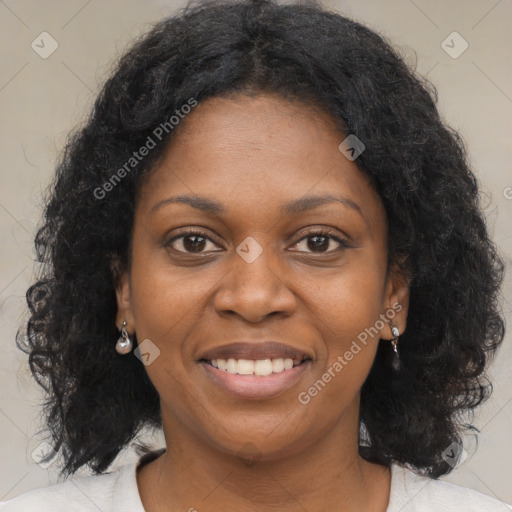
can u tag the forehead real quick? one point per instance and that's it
(257, 151)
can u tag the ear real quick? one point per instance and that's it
(123, 298)
(396, 302)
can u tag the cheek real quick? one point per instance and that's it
(166, 299)
(167, 305)
(346, 308)
(347, 311)
(349, 300)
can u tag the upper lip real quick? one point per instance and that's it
(256, 350)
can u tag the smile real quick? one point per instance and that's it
(261, 367)
(255, 379)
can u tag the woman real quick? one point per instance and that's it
(267, 243)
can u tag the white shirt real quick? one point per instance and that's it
(117, 492)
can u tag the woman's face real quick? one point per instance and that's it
(258, 269)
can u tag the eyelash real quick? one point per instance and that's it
(321, 232)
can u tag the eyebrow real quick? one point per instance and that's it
(291, 207)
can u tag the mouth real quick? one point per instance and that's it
(254, 356)
(260, 381)
(255, 370)
(255, 367)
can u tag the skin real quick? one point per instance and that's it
(253, 154)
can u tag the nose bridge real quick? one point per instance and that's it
(253, 287)
(252, 266)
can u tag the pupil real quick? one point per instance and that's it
(195, 246)
(318, 245)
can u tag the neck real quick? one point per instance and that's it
(192, 474)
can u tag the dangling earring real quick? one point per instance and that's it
(124, 343)
(394, 343)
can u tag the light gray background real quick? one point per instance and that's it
(42, 99)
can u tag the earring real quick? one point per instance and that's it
(124, 343)
(394, 343)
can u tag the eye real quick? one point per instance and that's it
(196, 241)
(190, 242)
(320, 241)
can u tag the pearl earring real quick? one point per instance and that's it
(124, 343)
(394, 343)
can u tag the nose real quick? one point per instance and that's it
(255, 290)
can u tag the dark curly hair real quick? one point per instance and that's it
(96, 401)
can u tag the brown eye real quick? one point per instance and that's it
(321, 242)
(190, 242)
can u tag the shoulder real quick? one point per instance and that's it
(414, 493)
(83, 494)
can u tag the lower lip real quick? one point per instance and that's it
(255, 386)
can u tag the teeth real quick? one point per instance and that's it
(260, 367)
(232, 366)
(246, 367)
(277, 365)
(263, 367)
